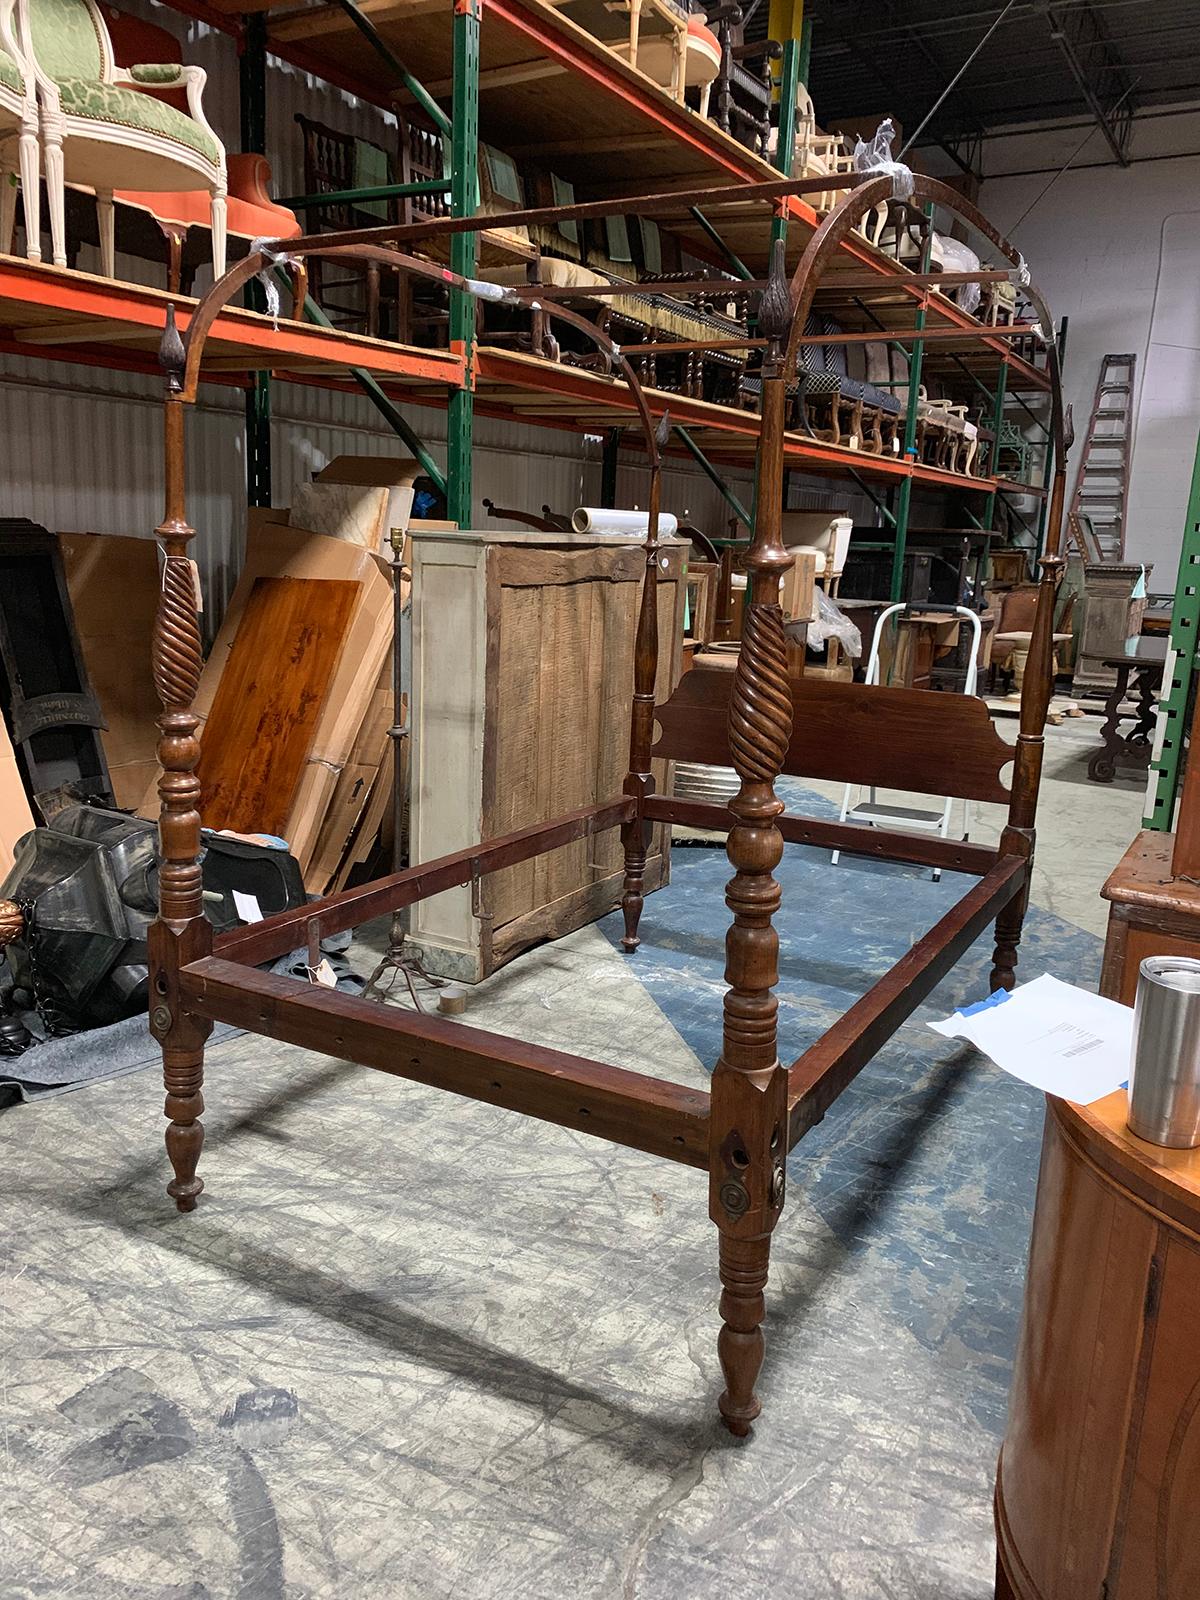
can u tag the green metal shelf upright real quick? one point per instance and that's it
(1180, 672)
(464, 200)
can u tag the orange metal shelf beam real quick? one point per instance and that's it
(127, 311)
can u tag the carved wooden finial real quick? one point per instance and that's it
(775, 307)
(172, 357)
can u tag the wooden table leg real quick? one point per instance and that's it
(1143, 734)
(1102, 768)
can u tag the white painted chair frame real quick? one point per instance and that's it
(58, 128)
(904, 817)
(19, 126)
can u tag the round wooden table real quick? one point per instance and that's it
(1098, 1487)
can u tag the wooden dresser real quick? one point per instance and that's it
(522, 677)
(1099, 1478)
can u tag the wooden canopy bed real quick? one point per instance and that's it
(758, 1109)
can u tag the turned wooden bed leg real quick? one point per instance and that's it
(636, 837)
(182, 932)
(748, 1113)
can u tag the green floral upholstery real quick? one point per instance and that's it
(158, 72)
(106, 102)
(65, 39)
(10, 75)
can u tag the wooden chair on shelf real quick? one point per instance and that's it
(674, 49)
(855, 411)
(174, 225)
(98, 120)
(356, 297)
(744, 88)
(18, 140)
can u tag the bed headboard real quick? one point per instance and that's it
(934, 743)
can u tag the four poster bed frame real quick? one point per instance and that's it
(753, 719)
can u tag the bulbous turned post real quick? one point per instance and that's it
(748, 1112)
(182, 933)
(1019, 836)
(639, 780)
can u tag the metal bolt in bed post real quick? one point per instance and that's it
(182, 933)
(749, 1106)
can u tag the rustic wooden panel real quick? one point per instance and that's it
(274, 684)
(561, 626)
(941, 744)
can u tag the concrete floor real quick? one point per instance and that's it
(410, 1346)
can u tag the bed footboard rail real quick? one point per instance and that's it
(628, 1108)
(817, 1077)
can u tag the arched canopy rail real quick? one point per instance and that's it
(841, 222)
(268, 255)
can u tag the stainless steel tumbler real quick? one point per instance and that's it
(1164, 1085)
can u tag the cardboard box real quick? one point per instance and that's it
(797, 590)
(359, 498)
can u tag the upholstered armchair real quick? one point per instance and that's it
(18, 139)
(102, 125)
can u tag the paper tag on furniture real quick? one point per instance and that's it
(1063, 1040)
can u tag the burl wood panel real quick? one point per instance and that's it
(1100, 1470)
(907, 738)
(560, 626)
(264, 716)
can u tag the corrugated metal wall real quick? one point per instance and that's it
(83, 446)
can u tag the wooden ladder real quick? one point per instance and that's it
(1097, 515)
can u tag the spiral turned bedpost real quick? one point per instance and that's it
(182, 933)
(639, 780)
(748, 1116)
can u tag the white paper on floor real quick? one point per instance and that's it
(1066, 1041)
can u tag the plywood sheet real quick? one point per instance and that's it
(352, 791)
(386, 472)
(560, 733)
(113, 583)
(356, 513)
(265, 713)
(273, 549)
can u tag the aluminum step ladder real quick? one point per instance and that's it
(871, 812)
(1100, 501)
